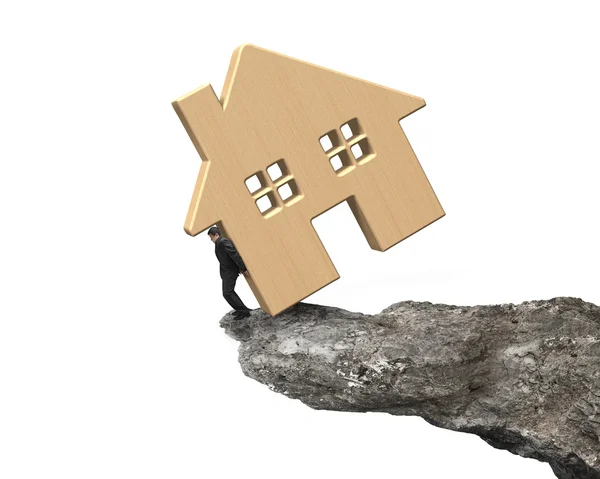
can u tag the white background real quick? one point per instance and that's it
(112, 363)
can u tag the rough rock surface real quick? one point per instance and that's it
(525, 377)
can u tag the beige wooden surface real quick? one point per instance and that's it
(276, 109)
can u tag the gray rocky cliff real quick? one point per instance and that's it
(525, 377)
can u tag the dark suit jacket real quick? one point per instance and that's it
(230, 260)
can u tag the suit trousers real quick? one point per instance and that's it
(231, 296)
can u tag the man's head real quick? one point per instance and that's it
(214, 233)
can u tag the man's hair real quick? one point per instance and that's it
(214, 231)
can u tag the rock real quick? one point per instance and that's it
(525, 377)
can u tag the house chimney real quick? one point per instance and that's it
(199, 112)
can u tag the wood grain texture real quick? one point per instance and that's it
(277, 110)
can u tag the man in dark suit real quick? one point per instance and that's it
(231, 266)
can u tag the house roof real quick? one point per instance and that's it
(257, 56)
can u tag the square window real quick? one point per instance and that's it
(356, 151)
(285, 191)
(264, 203)
(341, 162)
(351, 129)
(254, 184)
(326, 143)
(274, 171)
(289, 192)
(277, 170)
(362, 151)
(329, 141)
(346, 131)
(336, 162)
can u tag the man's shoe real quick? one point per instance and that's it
(241, 314)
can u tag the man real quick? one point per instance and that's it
(231, 266)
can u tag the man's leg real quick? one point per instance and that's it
(231, 296)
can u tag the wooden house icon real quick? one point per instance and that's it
(287, 141)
